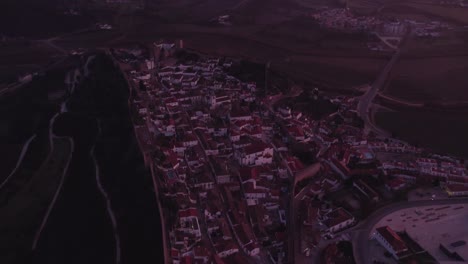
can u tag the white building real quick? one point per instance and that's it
(256, 154)
(391, 241)
(456, 190)
(337, 220)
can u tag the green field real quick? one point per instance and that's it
(454, 14)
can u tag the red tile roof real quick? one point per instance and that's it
(201, 251)
(174, 253)
(456, 188)
(395, 183)
(248, 173)
(337, 217)
(392, 238)
(256, 148)
(190, 212)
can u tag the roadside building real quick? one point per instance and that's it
(456, 190)
(366, 190)
(337, 220)
(391, 241)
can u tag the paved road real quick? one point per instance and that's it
(387, 42)
(56, 195)
(400, 101)
(294, 250)
(362, 231)
(50, 43)
(365, 101)
(106, 196)
(20, 160)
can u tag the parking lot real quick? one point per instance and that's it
(428, 226)
(434, 193)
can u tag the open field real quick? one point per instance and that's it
(405, 12)
(10, 154)
(266, 12)
(90, 39)
(22, 215)
(194, 11)
(457, 15)
(440, 79)
(80, 216)
(450, 43)
(441, 132)
(319, 3)
(365, 6)
(19, 57)
(37, 19)
(304, 35)
(323, 78)
(426, 9)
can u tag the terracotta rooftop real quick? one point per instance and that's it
(337, 217)
(393, 239)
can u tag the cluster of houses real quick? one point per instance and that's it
(347, 154)
(390, 28)
(221, 156)
(344, 20)
(224, 157)
(451, 173)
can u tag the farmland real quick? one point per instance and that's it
(30, 202)
(441, 132)
(281, 31)
(430, 79)
(452, 14)
(19, 57)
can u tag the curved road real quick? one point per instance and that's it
(20, 160)
(365, 101)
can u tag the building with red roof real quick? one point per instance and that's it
(395, 184)
(188, 221)
(257, 153)
(366, 190)
(338, 220)
(391, 241)
(456, 190)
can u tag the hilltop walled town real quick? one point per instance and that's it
(243, 176)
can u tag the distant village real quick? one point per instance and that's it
(343, 20)
(221, 153)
